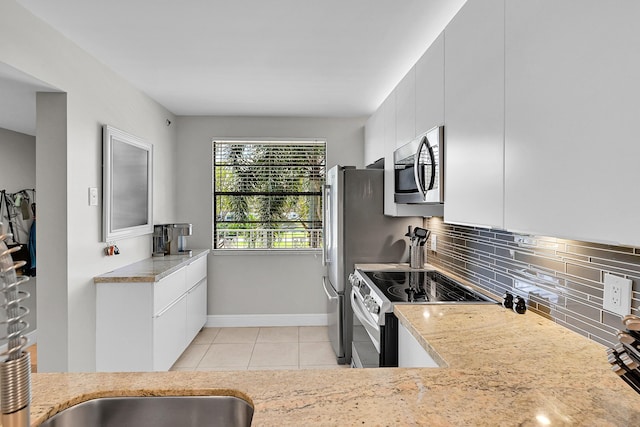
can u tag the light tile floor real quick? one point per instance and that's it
(291, 347)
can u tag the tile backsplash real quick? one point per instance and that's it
(561, 279)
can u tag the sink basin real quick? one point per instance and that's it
(187, 411)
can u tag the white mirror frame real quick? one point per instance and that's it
(127, 188)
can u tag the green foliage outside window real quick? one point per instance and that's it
(268, 194)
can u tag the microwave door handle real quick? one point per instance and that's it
(433, 165)
(416, 168)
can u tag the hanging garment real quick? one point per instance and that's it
(32, 248)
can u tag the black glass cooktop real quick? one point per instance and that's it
(422, 286)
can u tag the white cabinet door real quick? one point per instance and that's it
(388, 109)
(406, 109)
(430, 88)
(169, 334)
(572, 96)
(196, 309)
(474, 114)
(410, 353)
(124, 327)
(374, 138)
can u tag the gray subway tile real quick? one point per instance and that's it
(612, 320)
(584, 309)
(570, 256)
(616, 266)
(608, 340)
(579, 246)
(504, 279)
(539, 261)
(491, 259)
(584, 272)
(583, 288)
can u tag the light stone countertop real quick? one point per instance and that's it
(150, 269)
(502, 369)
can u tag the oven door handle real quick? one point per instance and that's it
(366, 321)
(360, 314)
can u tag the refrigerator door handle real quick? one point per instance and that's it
(326, 289)
(327, 198)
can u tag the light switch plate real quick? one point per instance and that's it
(617, 294)
(434, 242)
(93, 196)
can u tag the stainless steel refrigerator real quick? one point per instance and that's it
(356, 231)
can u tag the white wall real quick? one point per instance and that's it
(17, 172)
(269, 284)
(17, 160)
(69, 231)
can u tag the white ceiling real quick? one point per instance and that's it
(327, 58)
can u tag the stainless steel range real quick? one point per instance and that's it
(373, 293)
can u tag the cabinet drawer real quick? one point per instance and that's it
(168, 290)
(196, 271)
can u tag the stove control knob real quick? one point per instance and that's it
(355, 281)
(375, 308)
(368, 301)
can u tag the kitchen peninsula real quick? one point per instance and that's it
(503, 369)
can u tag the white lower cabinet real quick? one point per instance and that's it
(145, 326)
(196, 309)
(410, 353)
(170, 334)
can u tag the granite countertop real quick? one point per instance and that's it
(503, 369)
(150, 269)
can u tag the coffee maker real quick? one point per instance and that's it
(171, 239)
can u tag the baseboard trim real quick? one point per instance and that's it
(266, 320)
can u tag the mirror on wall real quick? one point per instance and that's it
(127, 185)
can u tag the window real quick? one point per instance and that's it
(268, 194)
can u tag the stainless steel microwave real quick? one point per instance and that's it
(419, 169)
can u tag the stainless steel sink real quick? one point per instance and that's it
(187, 411)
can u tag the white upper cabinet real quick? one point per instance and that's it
(474, 114)
(406, 109)
(572, 119)
(374, 138)
(429, 97)
(388, 110)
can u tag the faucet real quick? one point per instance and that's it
(15, 371)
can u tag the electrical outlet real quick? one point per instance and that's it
(617, 294)
(434, 241)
